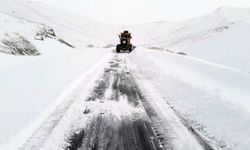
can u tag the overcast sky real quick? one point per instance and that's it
(143, 11)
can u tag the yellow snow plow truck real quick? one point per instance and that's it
(125, 42)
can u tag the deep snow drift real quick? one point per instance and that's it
(209, 87)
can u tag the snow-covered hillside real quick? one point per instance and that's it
(221, 37)
(73, 28)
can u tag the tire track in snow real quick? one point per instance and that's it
(120, 117)
(121, 121)
(67, 98)
(124, 119)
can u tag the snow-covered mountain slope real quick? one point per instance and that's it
(70, 27)
(221, 37)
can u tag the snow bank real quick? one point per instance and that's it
(32, 84)
(212, 97)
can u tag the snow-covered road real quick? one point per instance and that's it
(119, 121)
(115, 115)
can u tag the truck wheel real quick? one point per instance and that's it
(118, 48)
(130, 48)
